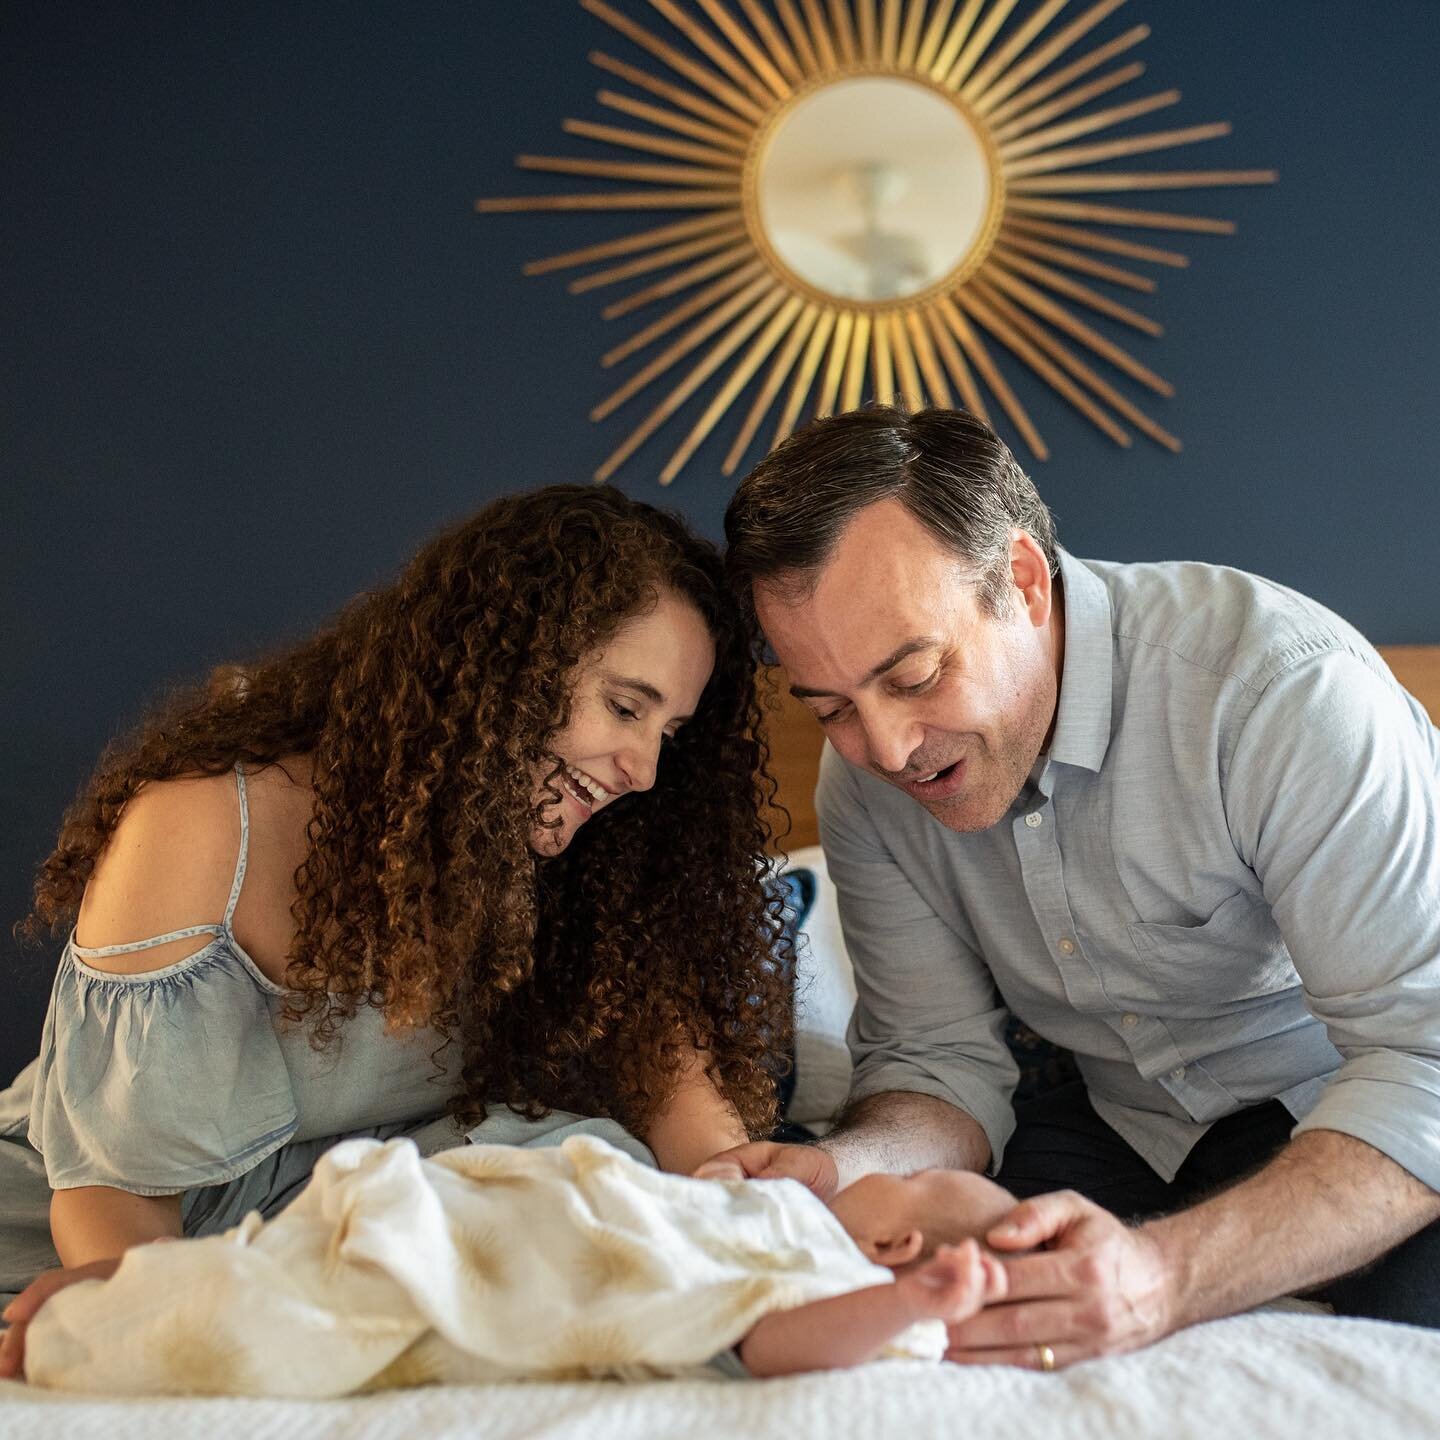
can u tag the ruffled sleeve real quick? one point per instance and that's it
(160, 1082)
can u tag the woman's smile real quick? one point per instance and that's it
(586, 791)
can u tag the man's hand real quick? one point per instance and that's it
(770, 1160)
(23, 1308)
(1093, 1286)
(953, 1284)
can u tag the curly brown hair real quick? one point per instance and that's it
(429, 707)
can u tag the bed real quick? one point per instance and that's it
(1283, 1371)
(1258, 1376)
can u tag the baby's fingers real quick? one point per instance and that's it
(959, 1278)
(997, 1280)
(966, 1296)
(950, 1264)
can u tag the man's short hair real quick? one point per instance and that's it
(951, 471)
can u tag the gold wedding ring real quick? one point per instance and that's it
(1046, 1357)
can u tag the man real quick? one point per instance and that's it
(1179, 820)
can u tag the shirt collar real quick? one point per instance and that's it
(1082, 727)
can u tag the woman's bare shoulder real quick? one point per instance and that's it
(168, 866)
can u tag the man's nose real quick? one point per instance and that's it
(891, 739)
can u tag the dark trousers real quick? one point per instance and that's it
(1060, 1143)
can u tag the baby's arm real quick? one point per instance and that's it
(850, 1329)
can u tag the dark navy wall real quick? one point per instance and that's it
(256, 345)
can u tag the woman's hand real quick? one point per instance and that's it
(26, 1305)
(769, 1160)
(89, 1220)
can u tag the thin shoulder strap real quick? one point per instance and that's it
(243, 858)
(100, 952)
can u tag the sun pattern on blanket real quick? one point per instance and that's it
(584, 1351)
(490, 1164)
(419, 1365)
(609, 1260)
(743, 1254)
(206, 1359)
(747, 1296)
(588, 1165)
(481, 1254)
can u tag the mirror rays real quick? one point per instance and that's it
(704, 91)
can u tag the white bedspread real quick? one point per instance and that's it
(1255, 1377)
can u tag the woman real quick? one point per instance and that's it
(403, 868)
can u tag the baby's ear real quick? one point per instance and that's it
(900, 1251)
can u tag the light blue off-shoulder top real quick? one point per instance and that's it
(182, 1077)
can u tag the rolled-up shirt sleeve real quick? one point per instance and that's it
(1333, 798)
(927, 1016)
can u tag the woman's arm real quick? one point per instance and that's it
(167, 867)
(93, 1226)
(695, 1123)
(95, 1222)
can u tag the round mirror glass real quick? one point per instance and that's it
(873, 188)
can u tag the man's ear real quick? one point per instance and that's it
(1030, 574)
(897, 1251)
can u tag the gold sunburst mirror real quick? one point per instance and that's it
(886, 189)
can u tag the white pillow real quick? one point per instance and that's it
(824, 999)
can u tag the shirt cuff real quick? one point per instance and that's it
(1391, 1101)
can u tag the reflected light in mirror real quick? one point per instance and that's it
(873, 189)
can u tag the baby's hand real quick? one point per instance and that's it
(955, 1283)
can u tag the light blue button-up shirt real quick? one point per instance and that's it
(1220, 887)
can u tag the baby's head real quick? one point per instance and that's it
(899, 1219)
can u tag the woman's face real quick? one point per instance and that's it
(629, 699)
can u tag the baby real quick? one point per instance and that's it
(925, 1229)
(490, 1262)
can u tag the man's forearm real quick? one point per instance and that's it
(899, 1131)
(1327, 1204)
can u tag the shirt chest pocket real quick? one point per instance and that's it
(1234, 956)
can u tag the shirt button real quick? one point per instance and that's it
(1034, 819)
(1129, 1021)
(1066, 946)
(1178, 1073)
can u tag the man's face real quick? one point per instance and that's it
(908, 673)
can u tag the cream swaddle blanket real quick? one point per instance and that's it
(481, 1263)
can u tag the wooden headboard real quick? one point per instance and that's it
(795, 739)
